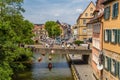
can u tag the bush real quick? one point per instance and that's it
(78, 42)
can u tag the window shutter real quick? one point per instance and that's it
(116, 36)
(117, 5)
(116, 68)
(104, 61)
(105, 13)
(104, 35)
(119, 69)
(108, 12)
(109, 35)
(113, 11)
(109, 64)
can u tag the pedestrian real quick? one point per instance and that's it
(62, 46)
(88, 45)
(74, 46)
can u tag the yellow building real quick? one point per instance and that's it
(111, 42)
(83, 19)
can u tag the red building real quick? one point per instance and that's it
(97, 26)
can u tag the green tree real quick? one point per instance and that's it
(53, 29)
(14, 30)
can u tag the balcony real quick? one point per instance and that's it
(107, 1)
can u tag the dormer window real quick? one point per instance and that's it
(91, 9)
(86, 14)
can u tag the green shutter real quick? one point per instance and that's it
(109, 64)
(104, 61)
(104, 35)
(116, 36)
(117, 5)
(119, 69)
(113, 11)
(116, 68)
(108, 12)
(109, 36)
(105, 13)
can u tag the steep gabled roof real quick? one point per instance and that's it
(85, 10)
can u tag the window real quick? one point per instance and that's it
(84, 21)
(86, 14)
(91, 9)
(96, 43)
(91, 14)
(96, 28)
(107, 13)
(84, 30)
(107, 35)
(105, 63)
(114, 36)
(115, 10)
(113, 66)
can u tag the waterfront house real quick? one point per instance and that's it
(111, 40)
(97, 38)
(83, 19)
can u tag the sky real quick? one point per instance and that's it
(67, 11)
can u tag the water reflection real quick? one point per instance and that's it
(46, 69)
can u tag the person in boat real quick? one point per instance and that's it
(50, 57)
(50, 65)
(39, 59)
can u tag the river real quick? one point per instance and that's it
(60, 69)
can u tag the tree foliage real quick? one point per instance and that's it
(53, 29)
(14, 30)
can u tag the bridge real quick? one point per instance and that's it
(83, 53)
(58, 49)
(65, 51)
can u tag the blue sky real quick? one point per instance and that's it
(40, 11)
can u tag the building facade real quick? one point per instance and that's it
(83, 19)
(75, 32)
(97, 40)
(40, 33)
(111, 40)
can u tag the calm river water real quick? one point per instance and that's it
(40, 71)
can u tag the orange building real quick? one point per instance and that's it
(111, 40)
(40, 33)
(83, 19)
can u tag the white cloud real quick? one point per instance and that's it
(39, 11)
(56, 15)
(79, 10)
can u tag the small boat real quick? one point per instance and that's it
(50, 57)
(39, 59)
(50, 66)
(43, 54)
(52, 51)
